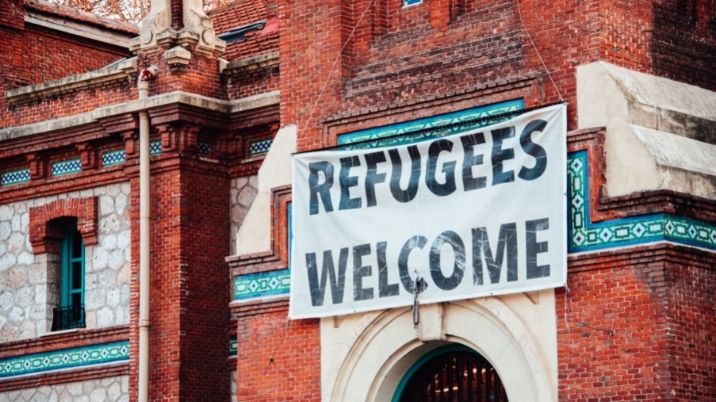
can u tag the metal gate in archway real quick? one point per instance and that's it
(452, 373)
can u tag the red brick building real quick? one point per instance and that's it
(216, 104)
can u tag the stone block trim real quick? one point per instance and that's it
(84, 209)
(233, 386)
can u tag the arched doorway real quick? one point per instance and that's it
(452, 373)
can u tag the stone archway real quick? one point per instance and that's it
(516, 334)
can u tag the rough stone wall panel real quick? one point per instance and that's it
(26, 296)
(243, 193)
(111, 389)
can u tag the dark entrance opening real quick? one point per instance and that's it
(452, 373)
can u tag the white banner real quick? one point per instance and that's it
(473, 214)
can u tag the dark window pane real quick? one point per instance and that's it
(76, 275)
(76, 300)
(77, 245)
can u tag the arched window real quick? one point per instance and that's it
(70, 313)
(452, 373)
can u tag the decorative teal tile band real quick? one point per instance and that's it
(64, 359)
(262, 284)
(15, 177)
(431, 127)
(113, 158)
(411, 2)
(155, 148)
(66, 167)
(587, 236)
(260, 147)
(233, 346)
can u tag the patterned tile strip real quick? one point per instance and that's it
(233, 346)
(66, 167)
(64, 359)
(112, 158)
(203, 148)
(430, 127)
(15, 177)
(587, 236)
(260, 147)
(262, 284)
(155, 148)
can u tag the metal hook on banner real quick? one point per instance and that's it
(419, 282)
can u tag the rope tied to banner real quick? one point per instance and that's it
(416, 305)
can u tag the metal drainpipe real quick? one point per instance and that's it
(143, 89)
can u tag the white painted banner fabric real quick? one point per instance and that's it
(473, 214)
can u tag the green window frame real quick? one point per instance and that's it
(70, 313)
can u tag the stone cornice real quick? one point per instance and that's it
(177, 97)
(115, 71)
(105, 35)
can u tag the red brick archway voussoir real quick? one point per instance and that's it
(42, 237)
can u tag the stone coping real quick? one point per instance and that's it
(117, 70)
(181, 97)
(252, 63)
(109, 35)
(68, 13)
(663, 93)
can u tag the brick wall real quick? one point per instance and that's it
(37, 54)
(401, 55)
(309, 44)
(200, 76)
(690, 329)
(11, 14)
(205, 238)
(672, 38)
(278, 359)
(635, 325)
(189, 283)
(252, 82)
(71, 103)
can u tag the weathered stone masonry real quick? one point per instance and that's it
(26, 297)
